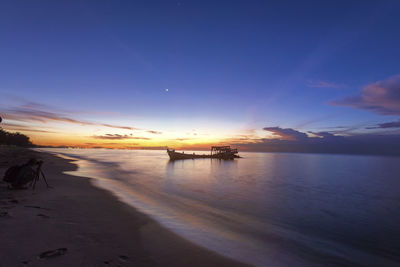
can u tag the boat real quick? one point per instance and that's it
(217, 152)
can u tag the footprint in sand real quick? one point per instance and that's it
(53, 253)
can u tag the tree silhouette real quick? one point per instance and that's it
(16, 139)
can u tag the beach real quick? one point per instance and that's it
(76, 224)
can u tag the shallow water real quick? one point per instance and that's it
(266, 208)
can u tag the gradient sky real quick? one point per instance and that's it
(95, 73)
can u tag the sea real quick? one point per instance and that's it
(264, 209)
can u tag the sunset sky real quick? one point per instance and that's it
(245, 73)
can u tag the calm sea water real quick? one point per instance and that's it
(266, 208)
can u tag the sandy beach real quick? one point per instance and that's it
(77, 224)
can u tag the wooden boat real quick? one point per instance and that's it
(217, 152)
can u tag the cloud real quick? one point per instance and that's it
(104, 145)
(393, 124)
(112, 136)
(291, 140)
(25, 114)
(382, 97)
(115, 126)
(321, 84)
(153, 132)
(149, 147)
(327, 136)
(31, 130)
(119, 137)
(286, 134)
(28, 111)
(23, 128)
(141, 138)
(182, 139)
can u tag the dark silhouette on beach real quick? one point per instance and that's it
(15, 139)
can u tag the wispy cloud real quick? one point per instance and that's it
(153, 132)
(382, 97)
(28, 111)
(23, 128)
(308, 122)
(322, 84)
(119, 137)
(386, 125)
(25, 114)
(112, 136)
(181, 139)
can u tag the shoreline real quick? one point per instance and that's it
(91, 225)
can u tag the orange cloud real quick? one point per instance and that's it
(119, 137)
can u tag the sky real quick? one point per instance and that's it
(189, 74)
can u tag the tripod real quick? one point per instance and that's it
(37, 176)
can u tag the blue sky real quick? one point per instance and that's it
(244, 65)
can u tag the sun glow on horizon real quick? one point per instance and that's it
(87, 135)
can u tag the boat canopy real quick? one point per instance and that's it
(222, 149)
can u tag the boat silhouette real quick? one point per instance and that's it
(217, 152)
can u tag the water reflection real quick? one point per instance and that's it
(249, 207)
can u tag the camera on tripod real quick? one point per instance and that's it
(39, 172)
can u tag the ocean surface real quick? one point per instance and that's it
(265, 209)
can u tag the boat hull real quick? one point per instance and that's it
(177, 155)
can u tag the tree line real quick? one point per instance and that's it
(16, 139)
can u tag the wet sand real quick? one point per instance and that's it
(77, 224)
